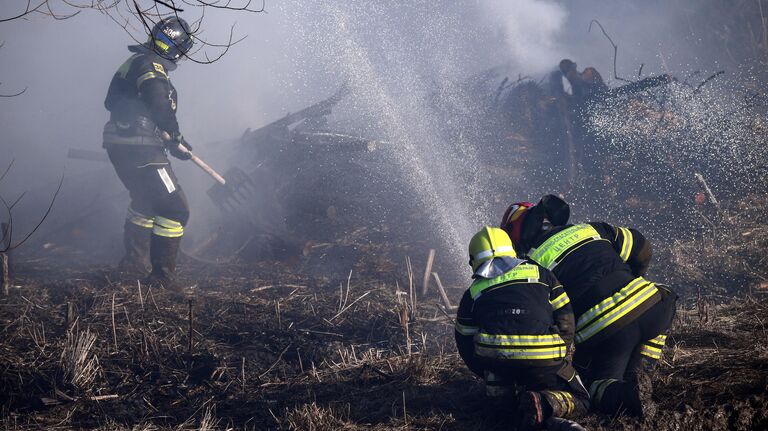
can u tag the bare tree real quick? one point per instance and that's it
(6, 229)
(137, 17)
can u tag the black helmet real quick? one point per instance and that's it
(171, 38)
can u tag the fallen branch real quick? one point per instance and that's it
(350, 305)
(279, 358)
(443, 295)
(114, 329)
(427, 271)
(711, 195)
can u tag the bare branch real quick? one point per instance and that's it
(6, 240)
(15, 94)
(703, 83)
(8, 169)
(28, 10)
(615, 47)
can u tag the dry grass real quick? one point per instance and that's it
(729, 258)
(79, 363)
(311, 417)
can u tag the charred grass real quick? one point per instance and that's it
(239, 350)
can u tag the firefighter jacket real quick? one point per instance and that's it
(141, 99)
(522, 317)
(601, 267)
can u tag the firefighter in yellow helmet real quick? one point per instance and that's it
(515, 329)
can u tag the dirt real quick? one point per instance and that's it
(272, 349)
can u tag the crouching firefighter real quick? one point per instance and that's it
(621, 318)
(141, 130)
(515, 330)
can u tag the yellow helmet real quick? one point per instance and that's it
(490, 242)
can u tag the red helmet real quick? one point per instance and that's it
(512, 222)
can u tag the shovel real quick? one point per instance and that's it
(229, 194)
(238, 190)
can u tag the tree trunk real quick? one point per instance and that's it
(5, 244)
(5, 281)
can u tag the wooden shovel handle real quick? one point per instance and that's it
(199, 162)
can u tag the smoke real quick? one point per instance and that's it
(406, 64)
(531, 30)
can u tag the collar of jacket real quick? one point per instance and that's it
(496, 267)
(155, 57)
(543, 234)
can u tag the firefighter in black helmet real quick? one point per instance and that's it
(621, 318)
(141, 130)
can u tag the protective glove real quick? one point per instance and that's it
(173, 147)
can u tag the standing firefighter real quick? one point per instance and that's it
(621, 318)
(142, 128)
(515, 329)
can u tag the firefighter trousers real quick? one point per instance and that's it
(611, 367)
(560, 385)
(155, 192)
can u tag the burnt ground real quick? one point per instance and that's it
(271, 349)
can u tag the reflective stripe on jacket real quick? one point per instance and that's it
(591, 262)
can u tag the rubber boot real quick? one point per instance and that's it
(135, 261)
(162, 253)
(532, 411)
(629, 397)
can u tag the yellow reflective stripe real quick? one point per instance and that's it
(159, 68)
(523, 273)
(144, 77)
(164, 46)
(564, 399)
(125, 67)
(651, 352)
(519, 340)
(611, 302)
(558, 397)
(139, 219)
(660, 339)
(167, 228)
(626, 245)
(613, 308)
(466, 330)
(560, 302)
(521, 353)
(488, 253)
(568, 398)
(550, 252)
